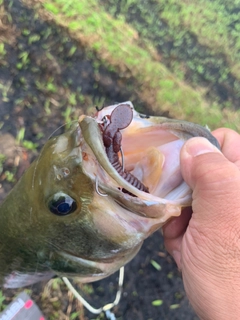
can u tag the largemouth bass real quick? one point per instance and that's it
(85, 205)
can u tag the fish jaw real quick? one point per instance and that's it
(92, 270)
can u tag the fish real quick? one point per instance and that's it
(84, 207)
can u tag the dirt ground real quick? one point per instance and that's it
(28, 101)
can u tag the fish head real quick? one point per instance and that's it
(81, 231)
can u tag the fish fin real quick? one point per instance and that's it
(18, 279)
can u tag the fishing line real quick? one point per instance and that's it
(107, 307)
(40, 154)
(63, 125)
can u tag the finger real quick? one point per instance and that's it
(215, 181)
(177, 226)
(229, 141)
(173, 233)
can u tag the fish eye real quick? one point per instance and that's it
(62, 204)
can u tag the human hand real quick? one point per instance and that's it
(205, 239)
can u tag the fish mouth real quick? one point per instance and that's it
(149, 164)
(151, 152)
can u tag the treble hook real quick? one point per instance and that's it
(99, 109)
(97, 190)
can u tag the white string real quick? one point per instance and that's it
(105, 308)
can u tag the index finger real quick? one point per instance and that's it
(229, 141)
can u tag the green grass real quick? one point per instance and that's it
(2, 50)
(25, 143)
(157, 303)
(198, 40)
(213, 25)
(2, 299)
(118, 46)
(209, 21)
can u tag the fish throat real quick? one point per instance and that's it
(120, 118)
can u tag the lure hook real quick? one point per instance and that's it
(97, 190)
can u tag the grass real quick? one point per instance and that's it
(157, 303)
(118, 46)
(2, 51)
(210, 22)
(2, 299)
(156, 265)
(198, 40)
(20, 140)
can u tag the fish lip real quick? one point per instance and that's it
(99, 268)
(87, 260)
(93, 138)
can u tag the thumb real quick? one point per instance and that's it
(215, 180)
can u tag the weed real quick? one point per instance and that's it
(156, 265)
(55, 283)
(24, 57)
(134, 294)
(2, 50)
(72, 50)
(25, 143)
(47, 107)
(33, 38)
(4, 89)
(29, 145)
(26, 32)
(157, 303)
(9, 176)
(72, 99)
(88, 289)
(2, 160)
(51, 87)
(20, 135)
(67, 113)
(2, 298)
(74, 315)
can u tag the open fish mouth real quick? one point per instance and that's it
(136, 159)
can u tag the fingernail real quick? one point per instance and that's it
(197, 146)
